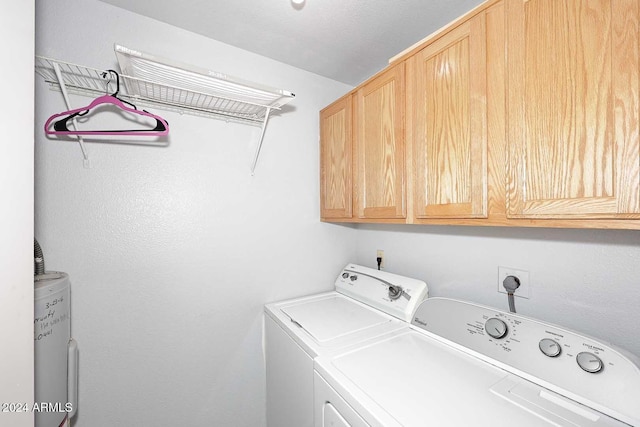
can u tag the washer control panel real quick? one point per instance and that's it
(396, 295)
(575, 365)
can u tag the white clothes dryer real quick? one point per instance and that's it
(365, 305)
(462, 364)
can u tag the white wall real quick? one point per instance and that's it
(173, 251)
(16, 214)
(587, 280)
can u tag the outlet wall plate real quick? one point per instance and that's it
(524, 290)
(380, 254)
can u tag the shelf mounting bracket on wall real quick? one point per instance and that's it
(264, 126)
(86, 161)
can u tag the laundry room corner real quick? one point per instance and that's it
(173, 249)
(306, 213)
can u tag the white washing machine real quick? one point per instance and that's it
(365, 305)
(462, 364)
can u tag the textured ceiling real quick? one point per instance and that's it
(345, 40)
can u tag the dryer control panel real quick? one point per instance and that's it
(580, 367)
(396, 295)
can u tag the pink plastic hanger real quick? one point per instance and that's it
(60, 126)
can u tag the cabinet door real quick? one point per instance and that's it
(379, 134)
(449, 121)
(573, 109)
(336, 160)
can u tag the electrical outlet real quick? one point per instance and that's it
(524, 290)
(380, 254)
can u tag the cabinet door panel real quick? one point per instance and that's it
(380, 146)
(573, 97)
(336, 160)
(450, 142)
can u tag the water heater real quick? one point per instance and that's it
(56, 353)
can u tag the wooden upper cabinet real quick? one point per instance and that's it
(336, 160)
(380, 148)
(573, 73)
(447, 99)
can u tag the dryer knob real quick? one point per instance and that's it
(549, 347)
(345, 275)
(395, 292)
(496, 328)
(589, 362)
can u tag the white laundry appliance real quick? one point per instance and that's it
(462, 364)
(55, 352)
(365, 305)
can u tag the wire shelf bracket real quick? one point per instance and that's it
(65, 95)
(264, 126)
(168, 85)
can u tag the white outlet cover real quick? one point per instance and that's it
(524, 290)
(380, 253)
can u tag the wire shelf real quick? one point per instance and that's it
(171, 86)
(91, 81)
(152, 68)
(75, 76)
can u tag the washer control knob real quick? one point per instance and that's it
(394, 292)
(549, 347)
(353, 278)
(496, 328)
(345, 275)
(589, 362)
